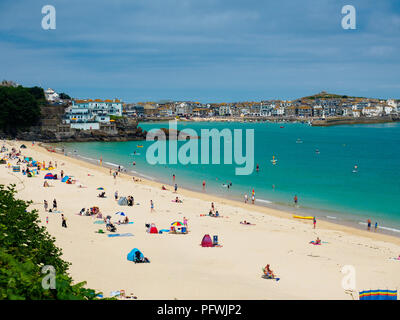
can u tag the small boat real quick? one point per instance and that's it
(355, 170)
(299, 141)
(274, 161)
(317, 151)
(139, 146)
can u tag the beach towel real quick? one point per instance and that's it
(99, 222)
(120, 235)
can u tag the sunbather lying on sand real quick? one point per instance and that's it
(177, 200)
(318, 241)
(244, 222)
(163, 188)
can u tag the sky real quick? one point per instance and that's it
(202, 50)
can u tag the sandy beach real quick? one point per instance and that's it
(180, 268)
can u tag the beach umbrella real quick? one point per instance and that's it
(101, 188)
(120, 213)
(48, 176)
(177, 224)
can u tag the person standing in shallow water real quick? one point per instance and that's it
(369, 224)
(295, 199)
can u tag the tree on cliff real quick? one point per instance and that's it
(19, 108)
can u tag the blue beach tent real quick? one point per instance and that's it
(131, 255)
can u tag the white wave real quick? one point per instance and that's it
(91, 159)
(262, 200)
(330, 217)
(112, 164)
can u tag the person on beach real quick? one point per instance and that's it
(173, 177)
(204, 185)
(151, 205)
(116, 195)
(245, 198)
(185, 222)
(46, 205)
(376, 226)
(47, 220)
(54, 204)
(163, 188)
(62, 174)
(268, 272)
(64, 221)
(369, 224)
(176, 187)
(314, 221)
(253, 199)
(295, 199)
(212, 207)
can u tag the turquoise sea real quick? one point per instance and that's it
(324, 182)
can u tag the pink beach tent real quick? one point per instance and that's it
(206, 242)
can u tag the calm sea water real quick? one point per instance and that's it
(324, 182)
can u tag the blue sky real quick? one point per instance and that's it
(208, 50)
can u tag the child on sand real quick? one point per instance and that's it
(46, 205)
(151, 205)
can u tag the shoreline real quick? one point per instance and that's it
(180, 268)
(274, 209)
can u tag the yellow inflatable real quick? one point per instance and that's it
(302, 217)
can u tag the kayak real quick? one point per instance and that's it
(302, 217)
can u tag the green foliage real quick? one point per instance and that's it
(64, 96)
(19, 108)
(25, 247)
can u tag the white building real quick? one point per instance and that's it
(51, 95)
(224, 111)
(87, 112)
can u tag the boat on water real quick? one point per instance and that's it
(139, 146)
(355, 170)
(274, 161)
(299, 141)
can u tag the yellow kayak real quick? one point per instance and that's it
(302, 217)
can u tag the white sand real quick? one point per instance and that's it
(180, 268)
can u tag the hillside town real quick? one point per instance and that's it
(101, 114)
(91, 113)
